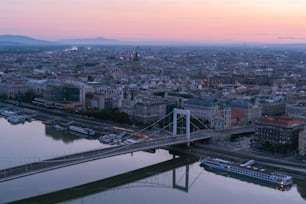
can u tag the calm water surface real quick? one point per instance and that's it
(132, 178)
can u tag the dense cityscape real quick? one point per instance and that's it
(153, 102)
(224, 87)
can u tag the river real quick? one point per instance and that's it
(140, 177)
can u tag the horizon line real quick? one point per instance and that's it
(158, 41)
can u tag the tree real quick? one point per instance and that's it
(113, 115)
(27, 97)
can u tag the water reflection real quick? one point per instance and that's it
(118, 180)
(61, 135)
(301, 187)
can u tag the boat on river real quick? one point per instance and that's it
(15, 119)
(85, 131)
(248, 169)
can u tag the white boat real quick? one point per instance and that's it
(59, 127)
(85, 131)
(106, 139)
(248, 170)
(130, 141)
(15, 119)
(7, 113)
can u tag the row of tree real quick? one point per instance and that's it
(112, 115)
(27, 97)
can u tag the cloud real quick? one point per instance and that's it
(295, 2)
(201, 2)
(232, 2)
(263, 2)
(291, 38)
(265, 34)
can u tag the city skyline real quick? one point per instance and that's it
(222, 21)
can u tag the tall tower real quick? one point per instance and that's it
(135, 61)
(187, 114)
(227, 117)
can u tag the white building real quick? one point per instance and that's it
(209, 110)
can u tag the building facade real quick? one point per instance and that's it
(60, 95)
(302, 142)
(147, 111)
(279, 133)
(251, 112)
(219, 117)
(274, 108)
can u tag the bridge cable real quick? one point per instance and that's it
(164, 127)
(139, 131)
(199, 121)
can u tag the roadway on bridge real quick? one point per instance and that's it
(68, 160)
(73, 159)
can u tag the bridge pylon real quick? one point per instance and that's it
(186, 113)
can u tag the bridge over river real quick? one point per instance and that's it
(77, 158)
(145, 144)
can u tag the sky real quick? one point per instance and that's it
(265, 21)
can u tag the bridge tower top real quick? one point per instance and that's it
(186, 113)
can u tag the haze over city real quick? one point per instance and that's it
(147, 20)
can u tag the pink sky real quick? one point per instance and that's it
(177, 20)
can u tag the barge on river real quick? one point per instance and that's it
(248, 170)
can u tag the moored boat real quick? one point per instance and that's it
(59, 127)
(85, 131)
(7, 113)
(15, 119)
(248, 170)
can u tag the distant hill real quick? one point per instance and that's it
(19, 40)
(90, 41)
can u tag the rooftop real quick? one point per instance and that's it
(280, 121)
(201, 102)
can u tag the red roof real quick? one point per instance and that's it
(235, 114)
(280, 121)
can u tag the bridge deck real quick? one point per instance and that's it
(77, 158)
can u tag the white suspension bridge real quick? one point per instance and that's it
(146, 144)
